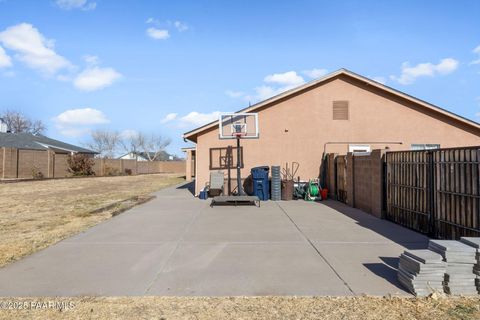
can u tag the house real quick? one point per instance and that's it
(143, 156)
(39, 142)
(3, 126)
(339, 113)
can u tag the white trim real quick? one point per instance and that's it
(362, 148)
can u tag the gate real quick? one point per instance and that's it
(408, 183)
(341, 178)
(457, 192)
(435, 192)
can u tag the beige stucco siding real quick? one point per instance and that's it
(297, 128)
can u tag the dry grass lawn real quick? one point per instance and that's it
(36, 214)
(254, 308)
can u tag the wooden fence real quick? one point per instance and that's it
(29, 164)
(436, 192)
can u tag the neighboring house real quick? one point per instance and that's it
(142, 156)
(39, 142)
(3, 126)
(339, 113)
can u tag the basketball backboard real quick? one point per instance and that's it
(243, 125)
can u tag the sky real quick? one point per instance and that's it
(166, 67)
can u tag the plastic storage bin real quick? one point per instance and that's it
(261, 185)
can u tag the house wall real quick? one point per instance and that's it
(300, 128)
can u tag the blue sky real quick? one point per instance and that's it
(167, 66)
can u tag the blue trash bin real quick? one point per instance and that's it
(261, 185)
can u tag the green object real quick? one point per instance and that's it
(312, 191)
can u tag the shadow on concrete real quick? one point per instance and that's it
(390, 261)
(190, 186)
(405, 237)
(386, 272)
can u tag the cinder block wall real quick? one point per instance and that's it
(364, 181)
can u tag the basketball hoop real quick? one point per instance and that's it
(238, 126)
(239, 134)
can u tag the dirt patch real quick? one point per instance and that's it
(36, 214)
(253, 308)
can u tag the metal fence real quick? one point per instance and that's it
(436, 192)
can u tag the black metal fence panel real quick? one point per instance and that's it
(435, 192)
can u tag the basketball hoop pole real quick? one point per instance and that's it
(239, 167)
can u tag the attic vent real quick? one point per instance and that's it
(340, 110)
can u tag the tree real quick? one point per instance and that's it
(80, 165)
(106, 143)
(132, 142)
(19, 123)
(153, 145)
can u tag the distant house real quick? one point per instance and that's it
(142, 156)
(38, 142)
(3, 126)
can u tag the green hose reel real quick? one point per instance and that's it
(313, 191)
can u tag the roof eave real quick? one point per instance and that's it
(192, 135)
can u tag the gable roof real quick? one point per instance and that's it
(192, 135)
(38, 142)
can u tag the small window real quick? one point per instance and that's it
(359, 148)
(427, 146)
(340, 110)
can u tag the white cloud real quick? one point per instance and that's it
(84, 116)
(5, 60)
(410, 74)
(94, 78)
(181, 26)
(76, 4)
(197, 119)
(77, 122)
(234, 94)
(158, 34)
(380, 79)
(476, 51)
(315, 73)
(169, 117)
(290, 78)
(91, 60)
(32, 48)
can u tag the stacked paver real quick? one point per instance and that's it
(421, 271)
(460, 258)
(475, 243)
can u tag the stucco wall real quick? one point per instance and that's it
(298, 128)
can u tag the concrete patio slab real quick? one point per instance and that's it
(243, 224)
(368, 268)
(233, 269)
(73, 269)
(178, 245)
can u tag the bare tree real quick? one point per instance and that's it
(133, 142)
(19, 123)
(106, 143)
(153, 146)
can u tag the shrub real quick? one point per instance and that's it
(36, 173)
(128, 172)
(111, 171)
(80, 165)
